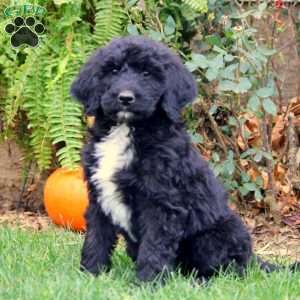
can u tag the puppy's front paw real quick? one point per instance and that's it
(92, 267)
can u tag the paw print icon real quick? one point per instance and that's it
(24, 31)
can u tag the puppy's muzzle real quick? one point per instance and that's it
(126, 98)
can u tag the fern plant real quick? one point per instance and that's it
(35, 107)
(64, 114)
(110, 18)
(34, 90)
(38, 82)
(197, 5)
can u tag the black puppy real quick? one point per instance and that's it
(145, 178)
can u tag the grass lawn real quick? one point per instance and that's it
(44, 265)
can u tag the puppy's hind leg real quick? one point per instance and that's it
(99, 241)
(226, 244)
(158, 250)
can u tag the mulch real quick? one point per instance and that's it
(25, 220)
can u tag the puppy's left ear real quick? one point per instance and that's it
(181, 89)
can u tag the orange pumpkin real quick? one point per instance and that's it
(66, 198)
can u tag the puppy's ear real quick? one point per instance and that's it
(86, 87)
(181, 89)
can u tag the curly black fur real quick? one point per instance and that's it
(162, 196)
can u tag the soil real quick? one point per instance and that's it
(10, 175)
(25, 220)
(14, 194)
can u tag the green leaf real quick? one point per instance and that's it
(258, 195)
(60, 2)
(200, 60)
(242, 15)
(259, 181)
(258, 156)
(110, 18)
(170, 26)
(259, 12)
(227, 85)
(217, 169)
(215, 157)
(155, 35)
(219, 50)
(232, 121)
(267, 51)
(244, 85)
(228, 72)
(213, 109)
(211, 74)
(254, 103)
(248, 153)
(265, 92)
(229, 34)
(191, 65)
(197, 5)
(269, 106)
(229, 167)
(262, 6)
(244, 67)
(245, 177)
(217, 62)
(228, 57)
(243, 191)
(267, 155)
(250, 186)
(196, 138)
(230, 155)
(132, 29)
(213, 40)
(132, 3)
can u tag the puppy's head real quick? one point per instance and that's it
(131, 77)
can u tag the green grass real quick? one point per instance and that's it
(44, 265)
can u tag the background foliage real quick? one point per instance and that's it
(232, 120)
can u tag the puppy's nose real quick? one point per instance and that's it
(126, 97)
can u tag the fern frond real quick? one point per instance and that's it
(151, 7)
(36, 109)
(16, 89)
(197, 5)
(65, 114)
(150, 4)
(110, 18)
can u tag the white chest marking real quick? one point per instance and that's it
(113, 153)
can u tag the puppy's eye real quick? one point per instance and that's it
(146, 73)
(115, 71)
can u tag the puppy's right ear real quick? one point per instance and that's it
(181, 89)
(86, 87)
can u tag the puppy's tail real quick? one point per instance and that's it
(269, 267)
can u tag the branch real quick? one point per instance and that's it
(215, 128)
(270, 198)
(292, 153)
